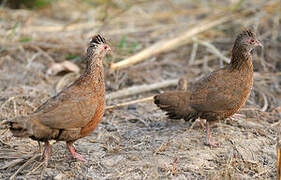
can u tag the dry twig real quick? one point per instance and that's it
(24, 165)
(212, 49)
(140, 89)
(193, 53)
(130, 103)
(168, 45)
(33, 170)
(265, 106)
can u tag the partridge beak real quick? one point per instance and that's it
(109, 51)
(258, 43)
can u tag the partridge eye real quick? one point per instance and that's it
(252, 41)
(105, 47)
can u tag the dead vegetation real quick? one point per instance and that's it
(154, 43)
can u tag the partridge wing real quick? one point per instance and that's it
(67, 110)
(214, 93)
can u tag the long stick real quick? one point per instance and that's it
(167, 45)
(140, 89)
(129, 103)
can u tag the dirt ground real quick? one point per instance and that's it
(138, 141)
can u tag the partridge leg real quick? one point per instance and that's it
(236, 116)
(39, 146)
(46, 152)
(208, 136)
(75, 154)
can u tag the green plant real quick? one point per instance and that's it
(126, 47)
(30, 4)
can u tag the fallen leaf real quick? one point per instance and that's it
(65, 66)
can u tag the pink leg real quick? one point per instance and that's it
(208, 136)
(236, 116)
(46, 152)
(75, 154)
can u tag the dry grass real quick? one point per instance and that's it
(138, 141)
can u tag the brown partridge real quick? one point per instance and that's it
(219, 94)
(74, 112)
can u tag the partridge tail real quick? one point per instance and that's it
(18, 127)
(176, 104)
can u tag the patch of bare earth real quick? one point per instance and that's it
(138, 141)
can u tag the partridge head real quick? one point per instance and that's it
(246, 42)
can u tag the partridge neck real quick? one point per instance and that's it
(241, 60)
(94, 71)
(94, 65)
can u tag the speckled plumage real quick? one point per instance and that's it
(76, 111)
(219, 94)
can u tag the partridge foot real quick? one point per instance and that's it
(208, 137)
(236, 116)
(75, 154)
